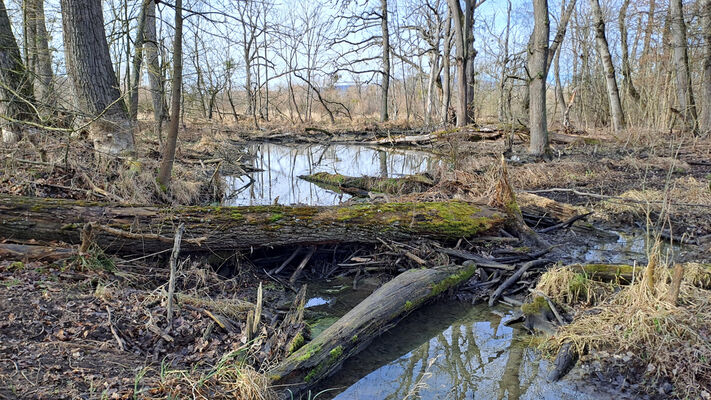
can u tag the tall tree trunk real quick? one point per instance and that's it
(460, 60)
(15, 83)
(626, 69)
(537, 64)
(386, 60)
(649, 29)
(446, 76)
(706, 91)
(37, 56)
(166, 162)
(92, 76)
(155, 74)
(613, 94)
(431, 83)
(559, 95)
(680, 56)
(138, 61)
(502, 112)
(567, 12)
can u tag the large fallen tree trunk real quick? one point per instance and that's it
(351, 333)
(147, 229)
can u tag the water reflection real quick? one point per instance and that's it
(458, 352)
(282, 164)
(626, 248)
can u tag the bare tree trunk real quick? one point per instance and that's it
(626, 69)
(92, 75)
(613, 94)
(386, 60)
(155, 75)
(446, 78)
(504, 66)
(37, 57)
(649, 30)
(431, 83)
(138, 61)
(706, 91)
(537, 64)
(166, 162)
(559, 95)
(680, 56)
(561, 30)
(15, 83)
(461, 58)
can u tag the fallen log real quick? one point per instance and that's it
(148, 229)
(24, 252)
(353, 332)
(365, 184)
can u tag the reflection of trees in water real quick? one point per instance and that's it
(282, 164)
(461, 366)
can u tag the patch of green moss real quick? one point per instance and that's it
(409, 306)
(354, 338)
(465, 273)
(310, 351)
(16, 266)
(275, 217)
(312, 374)
(538, 304)
(335, 354)
(296, 343)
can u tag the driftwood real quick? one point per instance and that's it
(143, 229)
(360, 186)
(354, 331)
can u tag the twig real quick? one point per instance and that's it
(301, 266)
(513, 278)
(119, 341)
(565, 224)
(173, 267)
(287, 261)
(142, 236)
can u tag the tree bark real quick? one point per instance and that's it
(685, 94)
(37, 57)
(386, 60)
(168, 156)
(138, 60)
(706, 85)
(15, 83)
(613, 94)
(147, 229)
(627, 82)
(461, 28)
(155, 76)
(537, 64)
(446, 78)
(92, 76)
(354, 331)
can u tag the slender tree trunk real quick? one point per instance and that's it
(685, 95)
(537, 64)
(431, 83)
(613, 94)
(626, 69)
(706, 91)
(446, 69)
(504, 66)
(166, 162)
(386, 60)
(559, 95)
(567, 12)
(37, 55)
(155, 75)
(649, 30)
(460, 60)
(138, 61)
(15, 83)
(92, 75)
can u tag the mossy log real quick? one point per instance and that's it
(146, 229)
(618, 273)
(353, 332)
(360, 186)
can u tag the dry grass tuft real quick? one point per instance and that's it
(568, 287)
(667, 341)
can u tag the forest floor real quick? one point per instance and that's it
(90, 326)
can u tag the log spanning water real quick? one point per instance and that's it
(145, 229)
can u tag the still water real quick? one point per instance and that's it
(282, 165)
